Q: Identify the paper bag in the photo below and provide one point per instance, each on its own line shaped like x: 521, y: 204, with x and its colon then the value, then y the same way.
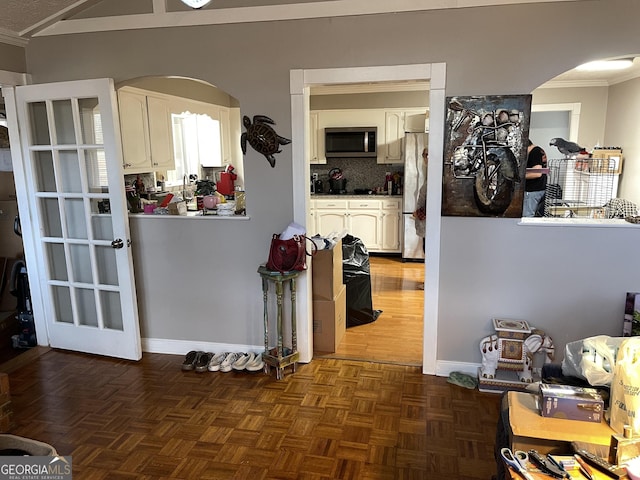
x: 625, y: 387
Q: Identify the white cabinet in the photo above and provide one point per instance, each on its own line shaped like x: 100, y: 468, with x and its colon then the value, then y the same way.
x: 160, y: 133
x: 375, y: 221
x: 390, y: 227
x: 397, y: 122
x: 314, y: 135
x: 225, y: 132
x: 145, y: 127
x: 330, y: 216
x: 393, y: 135
x: 364, y: 220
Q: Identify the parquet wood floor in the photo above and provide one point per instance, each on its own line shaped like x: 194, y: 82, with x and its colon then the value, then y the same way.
x: 396, y: 336
x: 332, y: 419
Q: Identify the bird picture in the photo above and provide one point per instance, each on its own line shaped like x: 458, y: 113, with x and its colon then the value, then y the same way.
x: 566, y: 147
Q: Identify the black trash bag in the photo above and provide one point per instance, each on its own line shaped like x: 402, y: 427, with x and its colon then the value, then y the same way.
x: 357, y: 278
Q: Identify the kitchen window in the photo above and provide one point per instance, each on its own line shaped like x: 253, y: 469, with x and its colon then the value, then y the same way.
x: 197, y: 141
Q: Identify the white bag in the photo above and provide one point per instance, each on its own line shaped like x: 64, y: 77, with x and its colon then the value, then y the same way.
x: 592, y: 359
x: 625, y: 388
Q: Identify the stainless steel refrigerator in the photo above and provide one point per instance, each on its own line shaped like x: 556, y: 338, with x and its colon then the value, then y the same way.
x: 414, y: 176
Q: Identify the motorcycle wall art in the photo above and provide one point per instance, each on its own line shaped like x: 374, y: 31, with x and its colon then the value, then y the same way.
x: 485, y: 155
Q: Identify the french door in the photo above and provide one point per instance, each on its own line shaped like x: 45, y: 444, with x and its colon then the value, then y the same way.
x: 78, y: 254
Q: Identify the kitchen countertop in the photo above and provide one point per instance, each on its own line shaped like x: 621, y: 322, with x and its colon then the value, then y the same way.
x: 196, y: 215
x: 352, y: 195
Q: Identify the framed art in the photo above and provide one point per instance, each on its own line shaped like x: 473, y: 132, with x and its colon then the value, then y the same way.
x: 485, y: 155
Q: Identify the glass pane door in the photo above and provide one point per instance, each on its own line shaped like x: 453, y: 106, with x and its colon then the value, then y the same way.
x: 74, y: 168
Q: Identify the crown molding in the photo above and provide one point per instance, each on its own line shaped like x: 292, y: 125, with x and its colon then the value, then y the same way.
x: 264, y: 13
x: 11, y: 38
x: 574, y: 83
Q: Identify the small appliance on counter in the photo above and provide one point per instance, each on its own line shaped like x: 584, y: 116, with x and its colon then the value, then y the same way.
x: 316, y: 184
x: 225, y: 184
x: 337, y: 182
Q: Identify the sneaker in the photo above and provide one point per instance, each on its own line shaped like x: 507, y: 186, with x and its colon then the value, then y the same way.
x: 190, y: 358
x: 228, y: 361
x: 243, y: 360
x: 216, y: 360
x: 256, y: 365
x: 203, y: 361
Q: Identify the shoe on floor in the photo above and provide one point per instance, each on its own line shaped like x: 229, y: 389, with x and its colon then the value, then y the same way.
x: 216, y: 360
x: 190, y: 358
x: 226, y: 365
x: 242, y: 361
x: 256, y: 365
x: 203, y: 361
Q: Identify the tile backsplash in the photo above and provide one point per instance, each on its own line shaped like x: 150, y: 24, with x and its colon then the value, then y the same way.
x: 361, y: 173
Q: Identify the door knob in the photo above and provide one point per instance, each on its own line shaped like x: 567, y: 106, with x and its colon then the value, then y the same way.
x: 117, y: 243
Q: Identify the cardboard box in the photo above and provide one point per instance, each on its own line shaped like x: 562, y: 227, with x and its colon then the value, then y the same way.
x: 605, y: 160
x: 571, y: 403
x: 327, y: 273
x: 11, y: 244
x: 178, y: 208
x: 529, y: 430
x: 7, y: 186
x: 329, y: 322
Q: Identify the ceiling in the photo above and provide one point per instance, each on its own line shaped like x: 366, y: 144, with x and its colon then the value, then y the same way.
x: 20, y: 20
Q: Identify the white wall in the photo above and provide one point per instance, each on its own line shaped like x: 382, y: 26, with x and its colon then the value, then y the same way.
x: 570, y: 281
x: 623, y: 130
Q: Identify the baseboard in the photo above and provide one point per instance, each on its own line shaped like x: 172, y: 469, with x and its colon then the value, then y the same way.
x: 444, y: 368
x: 181, y: 347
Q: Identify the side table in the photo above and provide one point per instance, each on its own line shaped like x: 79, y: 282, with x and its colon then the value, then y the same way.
x: 279, y: 356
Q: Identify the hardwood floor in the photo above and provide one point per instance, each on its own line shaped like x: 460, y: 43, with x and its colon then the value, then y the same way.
x: 332, y: 419
x: 396, y: 336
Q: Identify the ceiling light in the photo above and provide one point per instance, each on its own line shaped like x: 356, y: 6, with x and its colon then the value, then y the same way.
x: 196, y: 3
x: 602, y: 65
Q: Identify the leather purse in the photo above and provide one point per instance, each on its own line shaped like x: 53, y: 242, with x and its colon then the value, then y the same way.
x: 288, y: 255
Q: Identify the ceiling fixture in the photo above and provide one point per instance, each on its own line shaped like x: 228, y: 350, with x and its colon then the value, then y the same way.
x: 195, y: 3
x: 603, y: 65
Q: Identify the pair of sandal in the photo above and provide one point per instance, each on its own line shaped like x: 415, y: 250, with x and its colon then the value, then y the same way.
x: 196, y: 360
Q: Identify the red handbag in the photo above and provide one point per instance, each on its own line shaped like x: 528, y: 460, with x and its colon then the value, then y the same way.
x: 288, y: 255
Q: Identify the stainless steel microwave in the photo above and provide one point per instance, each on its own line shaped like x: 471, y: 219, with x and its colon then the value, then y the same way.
x: 350, y: 142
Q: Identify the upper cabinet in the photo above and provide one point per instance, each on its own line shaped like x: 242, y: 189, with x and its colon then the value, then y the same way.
x: 390, y: 123
x: 314, y: 135
x: 162, y: 132
x: 145, y: 127
x: 397, y: 122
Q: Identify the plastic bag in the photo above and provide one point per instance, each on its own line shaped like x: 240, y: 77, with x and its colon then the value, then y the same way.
x: 592, y: 359
x: 625, y: 388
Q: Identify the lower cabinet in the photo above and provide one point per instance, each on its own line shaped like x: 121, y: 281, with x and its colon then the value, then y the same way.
x: 390, y: 228
x: 374, y: 221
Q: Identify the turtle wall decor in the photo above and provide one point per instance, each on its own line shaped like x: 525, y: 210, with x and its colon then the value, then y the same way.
x: 262, y: 137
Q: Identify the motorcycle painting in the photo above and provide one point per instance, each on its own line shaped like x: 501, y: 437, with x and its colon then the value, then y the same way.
x: 485, y: 155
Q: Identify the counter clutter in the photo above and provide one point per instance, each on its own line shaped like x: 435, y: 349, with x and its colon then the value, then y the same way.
x: 170, y: 204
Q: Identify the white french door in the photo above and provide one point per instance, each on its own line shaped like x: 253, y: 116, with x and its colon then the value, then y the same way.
x: 78, y: 254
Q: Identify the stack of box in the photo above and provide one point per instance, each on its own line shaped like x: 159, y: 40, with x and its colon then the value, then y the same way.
x: 6, y: 413
x: 11, y: 245
x: 329, y: 299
